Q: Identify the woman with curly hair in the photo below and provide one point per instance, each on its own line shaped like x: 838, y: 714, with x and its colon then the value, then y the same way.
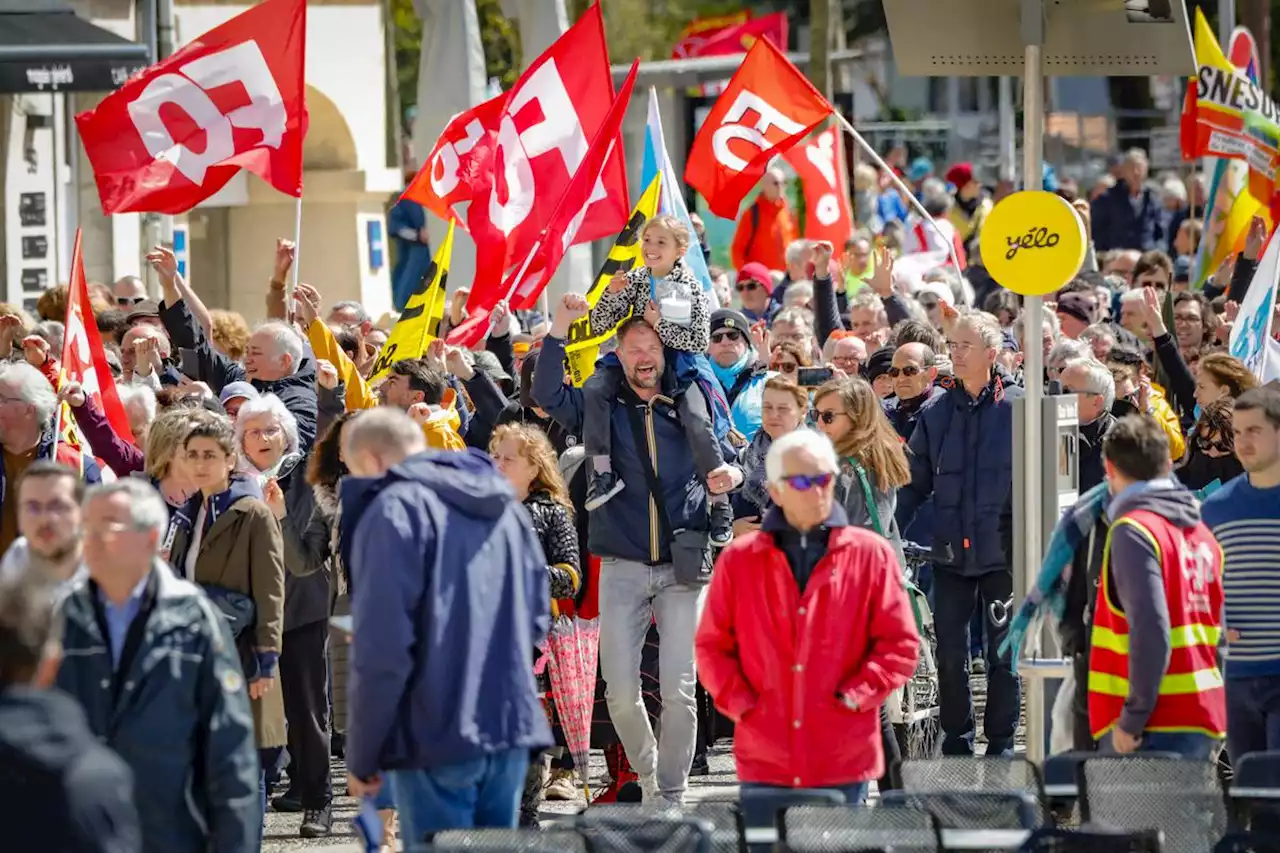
x: 524, y: 455
x: 1211, y: 446
x: 230, y: 332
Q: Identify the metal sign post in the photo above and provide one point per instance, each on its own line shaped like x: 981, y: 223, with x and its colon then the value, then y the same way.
x: 1029, y: 38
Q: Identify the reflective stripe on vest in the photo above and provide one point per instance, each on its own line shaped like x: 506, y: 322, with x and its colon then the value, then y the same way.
x: 1191, y: 696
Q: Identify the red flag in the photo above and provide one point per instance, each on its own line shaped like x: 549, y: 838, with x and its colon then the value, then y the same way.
x: 701, y: 30
x: 460, y: 166
x: 550, y: 115
x: 232, y: 99
x: 818, y: 163
x: 565, y: 223
x: 83, y: 359
x: 739, y: 38
x: 767, y: 107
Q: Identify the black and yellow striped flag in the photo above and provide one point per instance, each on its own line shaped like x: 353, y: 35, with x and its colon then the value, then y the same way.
x: 419, y: 323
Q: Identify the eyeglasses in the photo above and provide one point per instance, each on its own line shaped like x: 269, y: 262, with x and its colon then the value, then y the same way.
x: 746, y: 285
x: 129, y: 301
x: 959, y: 346
x: 805, y: 482
x: 908, y: 371
x: 826, y: 416
x: 1218, y: 444
x: 719, y: 337
x: 266, y: 433
x: 786, y: 367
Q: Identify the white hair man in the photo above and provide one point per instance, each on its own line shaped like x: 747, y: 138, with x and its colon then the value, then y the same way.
x: 1095, y: 389
x: 774, y: 659
x: 184, y: 726
x: 425, y: 528
x: 276, y: 359
x: 27, y: 406
x: 969, y: 429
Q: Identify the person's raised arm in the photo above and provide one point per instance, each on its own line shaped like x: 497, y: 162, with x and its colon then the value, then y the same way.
x: 1182, y: 383
x: 276, y: 288
x: 122, y: 457
x: 216, y: 369
x: 561, y: 401
x: 826, y: 310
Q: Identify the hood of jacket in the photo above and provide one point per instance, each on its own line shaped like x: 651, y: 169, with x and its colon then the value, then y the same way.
x: 45, y: 723
x: 241, y: 487
x: 304, y: 379
x: 466, y: 480
x: 1165, y: 497
x: 442, y: 426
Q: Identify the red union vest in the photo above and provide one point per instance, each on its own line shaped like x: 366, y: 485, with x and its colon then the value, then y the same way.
x: 1192, y: 697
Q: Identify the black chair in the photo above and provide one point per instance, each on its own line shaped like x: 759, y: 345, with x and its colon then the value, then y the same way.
x: 1001, y: 810
x: 1058, y: 840
x: 726, y: 819
x: 1061, y: 785
x: 1248, y: 842
x: 1255, y: 792
x: 971, y: 773
x: 508, y: 841
x: 760, y: 808
x: 851, y: 828
x: 631, y: 829
x: 1135, y: 792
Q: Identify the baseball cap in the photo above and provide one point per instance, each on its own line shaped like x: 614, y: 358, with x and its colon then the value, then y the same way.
x: 960, y: 174
x: 233, y: 390
x: 921, y: 168
x: 759, y: 273
x: 1076, y: 305
x: 879, y: 363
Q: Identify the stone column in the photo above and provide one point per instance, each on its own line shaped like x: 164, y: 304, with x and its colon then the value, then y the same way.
x: 451, y: 78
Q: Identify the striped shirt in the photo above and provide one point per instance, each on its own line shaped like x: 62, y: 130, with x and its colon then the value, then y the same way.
x: 1246, y: 522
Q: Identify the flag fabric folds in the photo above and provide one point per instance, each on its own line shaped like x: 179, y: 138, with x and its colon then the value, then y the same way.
x: 419, y: 323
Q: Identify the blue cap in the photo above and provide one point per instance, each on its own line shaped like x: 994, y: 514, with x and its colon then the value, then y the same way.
x: 1008, y: 343
x: 232, y: 390
x: 921, y: 168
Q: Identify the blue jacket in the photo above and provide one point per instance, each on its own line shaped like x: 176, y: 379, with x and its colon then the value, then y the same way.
x: 449, y: 600
x: 177, y: 712
x: 628, y: 527
x: 413, y: 257
x: 962, y: 455
x: 1116, y: 225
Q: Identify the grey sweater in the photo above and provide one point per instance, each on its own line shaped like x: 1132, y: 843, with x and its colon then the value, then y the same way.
x: 850, y: 496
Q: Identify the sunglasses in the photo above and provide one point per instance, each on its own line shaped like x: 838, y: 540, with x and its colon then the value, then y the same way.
x: 826, y: 416
x: 128, y: 301
x: 719, y: 337
x: 786, y: 367
x: 1217, y: 444
x: 805, y: 482
x: 745, y: 286
x: 908, y: 371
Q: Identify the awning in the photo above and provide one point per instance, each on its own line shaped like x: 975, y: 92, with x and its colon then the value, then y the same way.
x: 709, y: 69
x: 46, y: 47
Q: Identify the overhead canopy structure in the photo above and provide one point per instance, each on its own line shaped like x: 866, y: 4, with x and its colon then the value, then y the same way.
x: 46, y: 47
x: 709, y: 69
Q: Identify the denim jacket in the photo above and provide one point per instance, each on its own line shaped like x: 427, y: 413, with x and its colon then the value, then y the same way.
x: 176, y: 711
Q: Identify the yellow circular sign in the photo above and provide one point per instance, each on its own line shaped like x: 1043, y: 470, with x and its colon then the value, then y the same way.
x: 1033, y: 242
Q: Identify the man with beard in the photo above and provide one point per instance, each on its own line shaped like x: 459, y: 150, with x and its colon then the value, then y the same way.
x: 49, y: 496
x: 633, y: 534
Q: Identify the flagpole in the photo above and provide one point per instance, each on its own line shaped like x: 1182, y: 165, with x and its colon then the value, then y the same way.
x: 297, y: 257
x: 907, y: 194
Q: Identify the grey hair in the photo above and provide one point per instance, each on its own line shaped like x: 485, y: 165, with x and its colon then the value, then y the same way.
x: 1069, y: 350
x: 796, y: 248
x: 1047, y: 316
x: 1135, y: 155
x: 795, y: 316
x: 287, y: 342
x: 867, y: 299
x: 361, y: 314
x: 54, y: 333
x: 147, y: 510
x: 798, y: 292
x: 33, y: 388
x: 383, y: 429
x: 267, y: 404
x: 986, y: 326
x: 805, y: 439
x: 1100, y: 380
x: 142, y: 395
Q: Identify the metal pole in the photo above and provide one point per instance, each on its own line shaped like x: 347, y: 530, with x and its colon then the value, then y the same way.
x: 1227, y: 23
x: 1008, y: 141
x: 1033, y: 382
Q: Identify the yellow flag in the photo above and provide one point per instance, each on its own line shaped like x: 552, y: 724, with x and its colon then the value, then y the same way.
x: 419, y: 323
x: 582, y: 346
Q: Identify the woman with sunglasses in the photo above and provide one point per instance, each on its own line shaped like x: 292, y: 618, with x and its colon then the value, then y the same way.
x: 1211, y: 447
x: 787, y: 358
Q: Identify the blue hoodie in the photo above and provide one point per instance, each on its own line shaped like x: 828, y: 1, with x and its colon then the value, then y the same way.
x: 449, y: 599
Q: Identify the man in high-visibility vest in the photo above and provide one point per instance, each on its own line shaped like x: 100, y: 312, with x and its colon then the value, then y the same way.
x: 1154, y: 683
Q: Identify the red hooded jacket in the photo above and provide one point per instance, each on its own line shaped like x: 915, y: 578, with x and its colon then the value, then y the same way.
x: 779, y: 662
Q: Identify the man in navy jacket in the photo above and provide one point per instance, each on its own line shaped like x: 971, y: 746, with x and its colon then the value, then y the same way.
x: 1127, y: 216
x: 962, y: 455
x: 449, y: 598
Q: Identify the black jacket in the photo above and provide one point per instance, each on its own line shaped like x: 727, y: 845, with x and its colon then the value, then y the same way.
x: 307, y: 558
x: 60, y: 790
x: 1091, y: 436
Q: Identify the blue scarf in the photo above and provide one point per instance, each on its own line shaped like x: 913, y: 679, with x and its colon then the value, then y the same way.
x: 729, y: 375
x: 1050, y: 592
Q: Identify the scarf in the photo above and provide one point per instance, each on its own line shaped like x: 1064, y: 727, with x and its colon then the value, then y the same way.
x: 727, y: 376
x: 752, y: 461
x: 1049, y: 593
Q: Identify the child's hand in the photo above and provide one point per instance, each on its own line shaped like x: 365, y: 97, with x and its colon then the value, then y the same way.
x: 617, y: 284
x: 652, y: 314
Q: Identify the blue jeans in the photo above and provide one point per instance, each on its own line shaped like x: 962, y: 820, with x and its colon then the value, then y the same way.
x: 1186, y: 744
x: 482, y: 792
x: 1253, y: 715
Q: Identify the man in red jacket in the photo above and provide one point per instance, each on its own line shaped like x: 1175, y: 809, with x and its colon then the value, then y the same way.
x: 806, y: 631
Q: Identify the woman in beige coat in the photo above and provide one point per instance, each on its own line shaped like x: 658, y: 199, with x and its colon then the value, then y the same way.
x: 227, y: 540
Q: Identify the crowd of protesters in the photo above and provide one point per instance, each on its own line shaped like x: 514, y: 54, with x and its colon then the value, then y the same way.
x: 730, y: 495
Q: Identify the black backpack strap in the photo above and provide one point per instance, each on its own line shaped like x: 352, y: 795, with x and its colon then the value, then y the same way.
x: 651, y: 478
